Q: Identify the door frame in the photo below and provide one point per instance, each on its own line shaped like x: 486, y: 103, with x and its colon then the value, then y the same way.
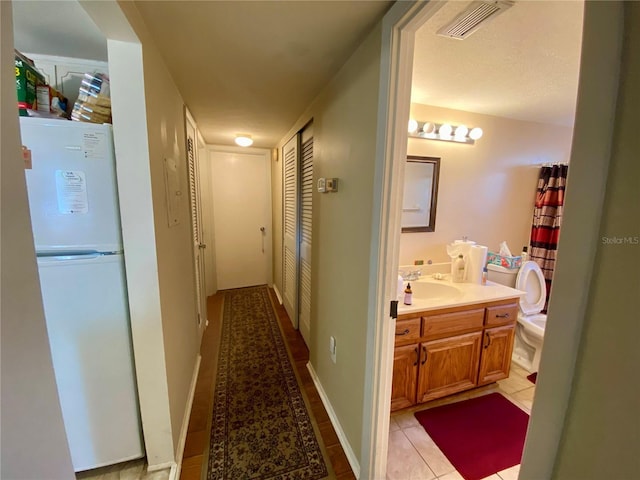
x: 593, y: 130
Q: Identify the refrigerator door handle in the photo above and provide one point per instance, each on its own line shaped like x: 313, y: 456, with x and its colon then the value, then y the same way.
x: 78, y: 256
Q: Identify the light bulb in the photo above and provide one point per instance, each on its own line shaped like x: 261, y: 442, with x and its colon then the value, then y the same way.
x: 244, y: 140
x: 413, y: 126
x: 461, y: 131
x: 475, y: 133
x: 445, y: 130
x: 429, y: 127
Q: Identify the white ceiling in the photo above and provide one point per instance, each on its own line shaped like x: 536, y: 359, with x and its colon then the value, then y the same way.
x: 56, y: 28
x: 253, y: 66
x: 523, y: 64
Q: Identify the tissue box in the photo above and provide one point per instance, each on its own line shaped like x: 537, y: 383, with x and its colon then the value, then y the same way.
x: 503, y: 260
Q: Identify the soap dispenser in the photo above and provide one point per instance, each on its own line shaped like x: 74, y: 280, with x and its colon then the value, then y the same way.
x: 458, y: 269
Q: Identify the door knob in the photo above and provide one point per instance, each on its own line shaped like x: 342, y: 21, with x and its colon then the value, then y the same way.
x: 262, y: 229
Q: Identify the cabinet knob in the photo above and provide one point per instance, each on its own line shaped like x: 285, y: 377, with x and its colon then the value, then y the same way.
x: 416, y: 362
x: 406, y: 332
x: 504, y: 315
x: 424, y: 349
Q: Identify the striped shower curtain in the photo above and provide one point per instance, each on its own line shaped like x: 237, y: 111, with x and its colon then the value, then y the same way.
x: 547, y: 218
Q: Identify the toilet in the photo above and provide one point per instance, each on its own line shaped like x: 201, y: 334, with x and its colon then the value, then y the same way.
x: 531, y: 323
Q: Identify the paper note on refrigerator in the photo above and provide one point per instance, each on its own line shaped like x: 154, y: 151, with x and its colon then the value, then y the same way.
x: 94, y: 145
x: 71, y: 188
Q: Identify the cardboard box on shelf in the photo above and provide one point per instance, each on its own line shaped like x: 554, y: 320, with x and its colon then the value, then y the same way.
x: 51, y: 101
x: 27, y: 80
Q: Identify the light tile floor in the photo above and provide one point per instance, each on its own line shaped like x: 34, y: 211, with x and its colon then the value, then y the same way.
x: 131, y: 470
x: 414, y: 456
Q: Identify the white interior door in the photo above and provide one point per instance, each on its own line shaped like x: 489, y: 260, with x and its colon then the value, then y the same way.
x: 305, y: 226
x: 290, y: 227
x: 196, y: 220
x: 242, y: 216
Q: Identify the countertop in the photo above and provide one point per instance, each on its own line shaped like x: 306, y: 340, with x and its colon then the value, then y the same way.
x: 464, y: 294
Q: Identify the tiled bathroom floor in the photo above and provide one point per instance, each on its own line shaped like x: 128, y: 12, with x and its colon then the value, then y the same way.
x: 414, y: 456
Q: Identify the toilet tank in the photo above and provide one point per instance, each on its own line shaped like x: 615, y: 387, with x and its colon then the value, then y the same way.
x: 502, y: 275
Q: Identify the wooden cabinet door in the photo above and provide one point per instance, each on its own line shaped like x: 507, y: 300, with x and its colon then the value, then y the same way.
x: 495, y: 361
x: 405, y: 373
x: 448, y: 366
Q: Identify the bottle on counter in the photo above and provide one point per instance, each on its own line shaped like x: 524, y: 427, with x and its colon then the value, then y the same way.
x: 458, y: 269
x: 408, y: 294
x: 525, y: 254
x: 485, y: 274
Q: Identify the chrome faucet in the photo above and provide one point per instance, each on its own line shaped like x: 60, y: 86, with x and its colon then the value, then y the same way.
x: 410, y: 275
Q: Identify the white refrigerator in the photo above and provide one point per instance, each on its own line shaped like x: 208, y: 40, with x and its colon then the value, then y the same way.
x: 76, y: 227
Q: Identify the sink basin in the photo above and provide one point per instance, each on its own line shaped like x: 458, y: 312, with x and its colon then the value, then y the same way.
x: 430, y: 290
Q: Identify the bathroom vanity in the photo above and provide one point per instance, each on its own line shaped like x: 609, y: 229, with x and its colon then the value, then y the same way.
x: 452, y: 341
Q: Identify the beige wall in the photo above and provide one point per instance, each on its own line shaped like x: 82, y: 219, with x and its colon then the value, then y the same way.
x: 486, y: 191
x: 601, y: 430
x: 149, y: 127
x: 166, y: 139
x: 344, y: 122
x: 34, y: 443
x: 580, y: 394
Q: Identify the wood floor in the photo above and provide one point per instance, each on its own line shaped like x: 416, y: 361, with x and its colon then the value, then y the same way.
x: 198, y: 431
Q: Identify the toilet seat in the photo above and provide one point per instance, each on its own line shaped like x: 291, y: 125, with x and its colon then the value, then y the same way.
x: 531, y: 280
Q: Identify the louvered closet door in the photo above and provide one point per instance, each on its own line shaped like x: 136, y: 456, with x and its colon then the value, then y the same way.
x: 306, y: 190
x: 194, y: 200
x: 290, y: 219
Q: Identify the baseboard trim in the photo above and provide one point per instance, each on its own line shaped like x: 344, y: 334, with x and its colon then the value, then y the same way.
x: 346, y: 446
x: 177, y: 466
x: 174, y: 473
x: 163, y: 466
x: 275, y: 289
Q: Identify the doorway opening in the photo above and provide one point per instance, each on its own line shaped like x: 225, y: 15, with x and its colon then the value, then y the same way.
x: 535, y: 459
x: 498, y: 174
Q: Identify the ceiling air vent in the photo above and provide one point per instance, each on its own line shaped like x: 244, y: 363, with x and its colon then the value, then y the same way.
x: 473, y: 18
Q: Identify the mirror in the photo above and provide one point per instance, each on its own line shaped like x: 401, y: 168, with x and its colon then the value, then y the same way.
x: 420, y: 194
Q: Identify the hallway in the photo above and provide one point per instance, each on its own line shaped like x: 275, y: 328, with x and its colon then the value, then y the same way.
x: 197, y: 441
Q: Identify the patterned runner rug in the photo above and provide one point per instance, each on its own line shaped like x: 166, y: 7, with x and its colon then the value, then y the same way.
x: 261, y: 428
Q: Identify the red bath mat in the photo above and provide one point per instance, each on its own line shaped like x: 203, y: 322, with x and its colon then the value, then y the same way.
x: 480, y: 436
x: 533, y: 377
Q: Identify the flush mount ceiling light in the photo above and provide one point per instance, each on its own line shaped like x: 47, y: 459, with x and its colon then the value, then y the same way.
x: 444, y: 131
x: 244, y: 140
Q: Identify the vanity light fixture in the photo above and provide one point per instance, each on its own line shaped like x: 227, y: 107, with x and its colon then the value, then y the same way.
x: 444, y: 131
x: 244, y: 140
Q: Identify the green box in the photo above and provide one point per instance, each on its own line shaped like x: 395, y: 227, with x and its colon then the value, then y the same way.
x: 27, y: 78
